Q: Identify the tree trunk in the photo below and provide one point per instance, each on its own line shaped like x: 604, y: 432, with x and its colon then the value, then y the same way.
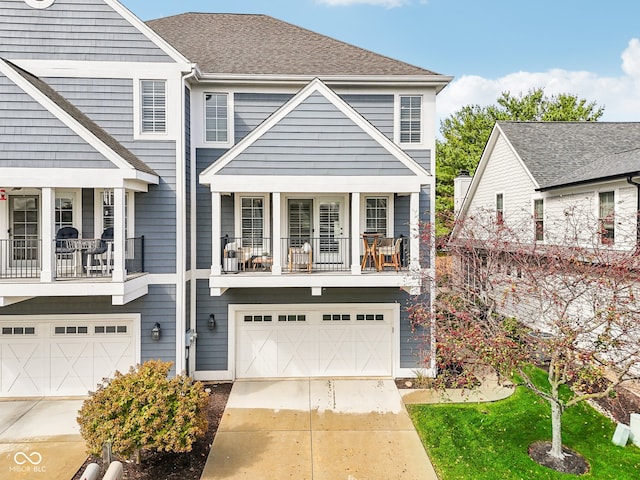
x: 556, y: 431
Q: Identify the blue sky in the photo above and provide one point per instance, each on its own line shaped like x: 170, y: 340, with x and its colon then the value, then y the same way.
x: 586, y: 47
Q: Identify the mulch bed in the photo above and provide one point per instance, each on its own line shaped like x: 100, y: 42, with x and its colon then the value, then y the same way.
x: 182, y: 466
x: 573, y: 462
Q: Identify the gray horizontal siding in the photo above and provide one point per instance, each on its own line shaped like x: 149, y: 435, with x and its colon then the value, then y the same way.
x: 251, y: 109
x: 315, y: 139
x: 159, y: 305
x: 376, y: 109
x: 86, y: 30
x: 204, y: 158
x: 109, y: 103
x: 424, y: 204
x: 32, y: 137
x: 212, y: 346
x: 422, y: 158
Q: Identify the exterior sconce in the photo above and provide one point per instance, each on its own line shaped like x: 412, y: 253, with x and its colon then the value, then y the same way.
x: 155, y: 332
x: 212, y: 322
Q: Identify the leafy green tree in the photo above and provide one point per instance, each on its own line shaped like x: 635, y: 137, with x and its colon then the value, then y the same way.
x: 466, y: 132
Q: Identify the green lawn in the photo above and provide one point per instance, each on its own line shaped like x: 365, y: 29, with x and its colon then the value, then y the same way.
x: 489, y: 441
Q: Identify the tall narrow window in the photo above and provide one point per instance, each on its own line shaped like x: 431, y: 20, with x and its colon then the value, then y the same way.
x: 376, y: 215
x: 216, y: 117
x: 153, y: 103
x: 499, y: 208
x: 607, y: 224
x: 410, y: 119
x: 252, y: 221
x: 538, y: 219
x: 64, y: 212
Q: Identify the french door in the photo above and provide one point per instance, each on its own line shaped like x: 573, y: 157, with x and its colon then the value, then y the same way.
x: 319, y: 221
x: 24, y: 217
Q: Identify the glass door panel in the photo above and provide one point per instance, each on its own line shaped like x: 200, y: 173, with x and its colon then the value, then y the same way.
x: 24, y: 230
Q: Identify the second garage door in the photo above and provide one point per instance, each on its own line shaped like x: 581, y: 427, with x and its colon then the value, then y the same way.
x: 340, y: 342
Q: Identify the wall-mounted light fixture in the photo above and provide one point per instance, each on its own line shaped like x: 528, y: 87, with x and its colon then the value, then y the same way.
x: 212, y: 322
x: 155, y: 332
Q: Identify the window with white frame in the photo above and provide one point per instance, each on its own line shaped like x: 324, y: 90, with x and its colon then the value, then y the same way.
x: 63, y: 211
x: 216, y: 117
x: 376, y: 215
x: 105, y: 211
x: 538, y: 219
x: 410, y: 119
x: 499, y: 208
x: 606, y: 217
x: 252, y: 221
x: 153, y: 105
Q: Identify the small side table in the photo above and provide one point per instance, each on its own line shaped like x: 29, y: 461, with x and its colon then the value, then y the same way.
x: 262, y: 262
x: 370, y: 244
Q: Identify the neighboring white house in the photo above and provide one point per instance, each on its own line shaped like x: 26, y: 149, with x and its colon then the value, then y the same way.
x: 550, y: 188
x: 544, y: 174
x: 197, y: 189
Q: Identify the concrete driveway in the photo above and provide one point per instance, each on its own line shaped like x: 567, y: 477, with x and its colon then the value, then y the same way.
x: 317, y: 429
x: 40, y: 438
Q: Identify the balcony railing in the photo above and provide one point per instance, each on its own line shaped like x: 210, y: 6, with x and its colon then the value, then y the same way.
x: 19, y: 258
x: 74, y: 258
x: 300, y: 254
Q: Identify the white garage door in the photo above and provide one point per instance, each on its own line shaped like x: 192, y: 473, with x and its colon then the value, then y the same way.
x: 313, y: 344
x: 58, y: 358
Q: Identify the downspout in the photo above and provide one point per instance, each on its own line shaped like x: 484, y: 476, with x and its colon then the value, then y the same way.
x: 630, y: 181
x: 189, y: 338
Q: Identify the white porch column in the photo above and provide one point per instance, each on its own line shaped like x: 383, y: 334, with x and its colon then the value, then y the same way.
x: 119, y: 272
x: 216, y: 234
x: 276, y: 234
x: 414, y: 232
x: 355, y: 234
x: 47, y: 235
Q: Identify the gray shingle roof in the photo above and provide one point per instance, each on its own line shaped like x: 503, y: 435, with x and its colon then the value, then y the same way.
x: 83, y: 120
x: 563, y: 153
x: 263, y: 45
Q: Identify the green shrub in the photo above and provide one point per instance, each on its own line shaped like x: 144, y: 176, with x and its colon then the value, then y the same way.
x: 144, y: 409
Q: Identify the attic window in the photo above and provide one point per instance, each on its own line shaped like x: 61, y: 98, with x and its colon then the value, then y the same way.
x: 153, y: 106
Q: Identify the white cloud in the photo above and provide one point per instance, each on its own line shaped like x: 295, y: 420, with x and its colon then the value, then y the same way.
x: 619, y: 95
x: 382, y: 3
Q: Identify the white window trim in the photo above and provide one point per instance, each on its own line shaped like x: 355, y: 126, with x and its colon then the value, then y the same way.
x: 396, y: 122
x: 533, y: 218
x: 98, y: 226
x: 230, y: 116
x: 237, y: 207
x: 390, y: 217
x: 495, y: 205
x: 616, y: 200
x: 76, y: 196
x: 137, y: 110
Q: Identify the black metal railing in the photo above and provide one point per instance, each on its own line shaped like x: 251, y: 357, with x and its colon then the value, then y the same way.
x: 19, y: 258
x: 94, y: 257
x: 308, y: 254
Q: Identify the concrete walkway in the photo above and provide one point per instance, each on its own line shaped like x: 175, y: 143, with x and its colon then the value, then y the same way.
x: 317, y: 429
x: 40, y: 438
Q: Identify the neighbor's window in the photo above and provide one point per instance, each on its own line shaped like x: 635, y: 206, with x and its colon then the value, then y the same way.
x: 499, y: 208
x: 153, y: 102
x: 538, y: 219
x: 252, y: 221
x: 216, y: 117
x: 410, y: 119
x: 607, y: 229
x: 376, y: 215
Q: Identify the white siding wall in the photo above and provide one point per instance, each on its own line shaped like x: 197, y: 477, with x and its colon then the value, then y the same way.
x: 505, y: 174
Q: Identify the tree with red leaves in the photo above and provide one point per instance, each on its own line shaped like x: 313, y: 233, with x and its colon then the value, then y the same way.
x: 570, y: 304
